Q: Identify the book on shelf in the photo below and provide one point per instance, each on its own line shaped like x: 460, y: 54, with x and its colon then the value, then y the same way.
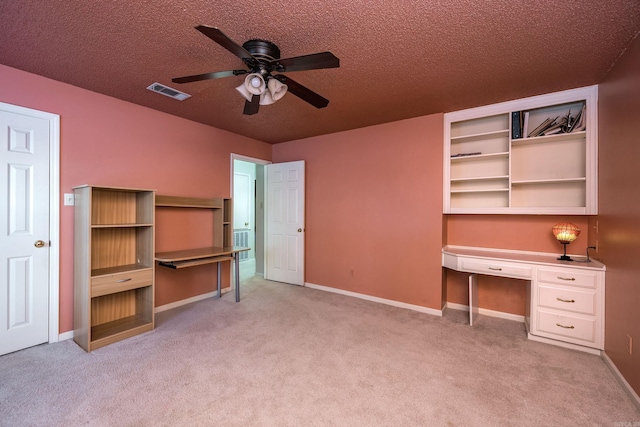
x: 548, y: 122
x: 580, y: 121
x: 516, y: 124
x: 560, y: 124
x: 477, y: 153
x: 525, y: 124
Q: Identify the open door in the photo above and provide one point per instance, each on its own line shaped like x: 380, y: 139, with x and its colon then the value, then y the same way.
x: 285, y: 223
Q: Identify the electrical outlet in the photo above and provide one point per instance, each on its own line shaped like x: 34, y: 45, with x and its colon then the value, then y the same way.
x: 69, y: 199
x: 629, y: 344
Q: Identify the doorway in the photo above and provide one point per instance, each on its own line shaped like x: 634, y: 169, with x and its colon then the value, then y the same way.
x: 248, y: 192
x: 278, y: 230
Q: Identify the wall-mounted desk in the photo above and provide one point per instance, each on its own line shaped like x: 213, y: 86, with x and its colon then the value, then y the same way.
x: 565, y: 300
x: 200, y: 256
x: 221, y: 250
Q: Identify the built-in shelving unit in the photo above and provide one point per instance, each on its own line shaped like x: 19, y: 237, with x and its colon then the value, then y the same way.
x: 495, y: 162
x: 113, y: 264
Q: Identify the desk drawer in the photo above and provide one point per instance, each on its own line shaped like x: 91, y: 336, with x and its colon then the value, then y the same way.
x: 579, y: 330
x: 496, y: 268
x: 568, y: 277
x: 564, y: 299
x: 118, y: 282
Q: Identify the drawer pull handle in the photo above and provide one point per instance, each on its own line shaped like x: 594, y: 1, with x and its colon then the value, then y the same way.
x: 565, y: 300
x: 567, y: 278
x: 123, y: 280
x: 495, y: 268
x: 566, y: 327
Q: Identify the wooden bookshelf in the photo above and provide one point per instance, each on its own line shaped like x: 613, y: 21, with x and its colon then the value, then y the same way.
x: 113, y: 268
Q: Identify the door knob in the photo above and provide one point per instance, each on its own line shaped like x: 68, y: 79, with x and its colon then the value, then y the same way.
x: 38, y: 243
x: 299, y: 230
x: 246, y: 224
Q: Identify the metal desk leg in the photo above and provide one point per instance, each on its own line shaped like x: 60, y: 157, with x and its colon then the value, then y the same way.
x: 219, y: 280
x: 237, y: 263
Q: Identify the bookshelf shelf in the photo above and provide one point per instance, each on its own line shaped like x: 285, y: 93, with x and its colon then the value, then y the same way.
x: 480, y: 191
x: 479, y: 156
x: 548, y: 181
x: 482, y: 178
x: 528, y: 156
x: 548, y: 138
x: 480, y: 136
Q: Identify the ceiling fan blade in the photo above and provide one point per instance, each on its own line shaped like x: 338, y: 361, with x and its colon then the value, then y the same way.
x: 208, y: 76
x: 302, y: 92
x: 252, y: 107
x: 313, y: 61
x: 223, y: 40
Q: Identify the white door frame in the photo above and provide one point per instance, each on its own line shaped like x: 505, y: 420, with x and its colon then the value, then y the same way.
x: 263, y: 219
x: 54, y: 211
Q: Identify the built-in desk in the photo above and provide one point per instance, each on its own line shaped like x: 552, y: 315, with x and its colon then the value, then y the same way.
x: 200, y: 256
x: 565, y: 299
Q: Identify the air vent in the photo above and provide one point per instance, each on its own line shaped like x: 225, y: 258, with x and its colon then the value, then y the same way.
x: 167, y: 91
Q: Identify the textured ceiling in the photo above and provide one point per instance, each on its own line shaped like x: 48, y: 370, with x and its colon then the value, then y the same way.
x: 398, y: 59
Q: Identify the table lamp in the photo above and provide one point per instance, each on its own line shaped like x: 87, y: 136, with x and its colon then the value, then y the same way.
x: 566, y: 233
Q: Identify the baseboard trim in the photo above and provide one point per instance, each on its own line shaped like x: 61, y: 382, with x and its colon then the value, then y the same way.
x: 385, y: 301
x: 635, y: 399
x: 571, y: 346
x: 186, y: 301
x: 65, y: 336
x: 487, y: 312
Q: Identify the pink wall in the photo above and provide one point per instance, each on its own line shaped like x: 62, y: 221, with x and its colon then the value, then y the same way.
x: 619, y: 209
x: 374, y: 209
x: 105, y: 141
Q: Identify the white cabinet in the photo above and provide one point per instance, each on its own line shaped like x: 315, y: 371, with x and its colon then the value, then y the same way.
x: 567, y: 304
x: 565, y: 300
x: 495, y: 163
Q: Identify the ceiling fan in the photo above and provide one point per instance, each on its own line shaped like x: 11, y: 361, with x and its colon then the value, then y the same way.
x: 262, y: 59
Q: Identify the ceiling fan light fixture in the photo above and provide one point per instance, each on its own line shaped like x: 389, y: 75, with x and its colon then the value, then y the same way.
x: 255, y: 84
x: 262, y: 58
x: 244, y: 92
x: 277, y: 89
x: 266, y: 98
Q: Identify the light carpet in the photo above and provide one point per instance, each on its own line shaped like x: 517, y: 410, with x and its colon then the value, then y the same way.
x: 294, y: 356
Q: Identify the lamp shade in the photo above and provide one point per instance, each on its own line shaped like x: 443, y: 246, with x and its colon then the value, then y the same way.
x: 566, y: 232
x: 253, y: 84
x: 275, y: 90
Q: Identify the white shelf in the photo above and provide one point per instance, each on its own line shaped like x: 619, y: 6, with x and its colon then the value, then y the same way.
x: 547, y: 181
x: 491, y: 190
x: 477, y: 136
x: 480, y: 178
x: 548, y: 138
x: 480, y: 156
x: 548, y: 174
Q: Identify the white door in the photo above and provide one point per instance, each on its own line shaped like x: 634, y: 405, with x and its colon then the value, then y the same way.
x: 242, y: 195
x: 285, y: 223
x: 24, y: 240
x: 243, y: 215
